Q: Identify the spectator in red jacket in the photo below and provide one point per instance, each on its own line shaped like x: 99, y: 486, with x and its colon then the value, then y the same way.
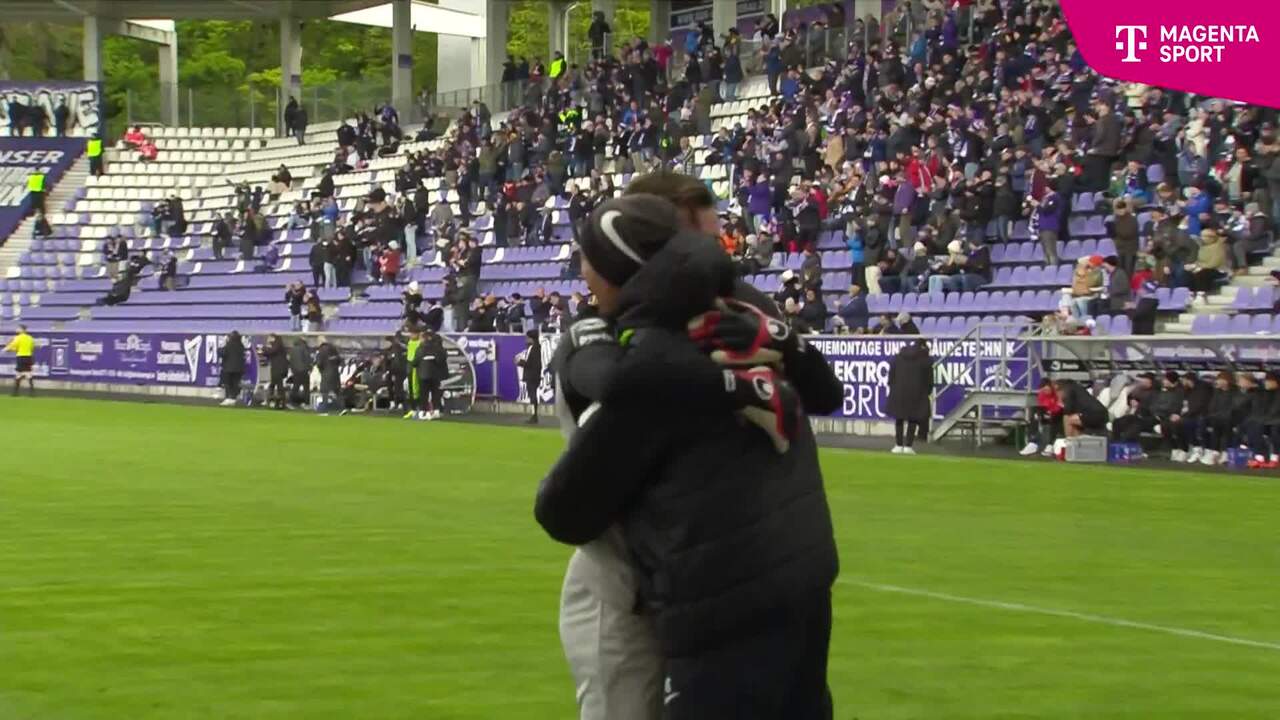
x: 389, y: 263
x: 1046, y: 420
x: 134, y: 137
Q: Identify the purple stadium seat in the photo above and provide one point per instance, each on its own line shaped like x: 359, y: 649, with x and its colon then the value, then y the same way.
x: 1095, y: 226
x: 1102, y: 325
x: 1121, y: 325
x: 1083, y: 203
x: 1275, y: 325
x: 895, y: 303
x: 910, y: 302
x: 1220, y: 325
x: 1026, y: 301
x: 981, y: 301
x: 1243, y: 300
x: 1239, y: 325
x: 998, y: 253
x: 1106, y: 246
x: 878, y: 304
x: 1003, y: 276
x: 1260, y: 324
x: 1201, y: 325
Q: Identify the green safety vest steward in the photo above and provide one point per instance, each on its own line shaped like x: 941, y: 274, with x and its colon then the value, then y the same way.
x: 35, y: 182
x: 410, y: 350
x: 95, y: 147
x: 557, y: 67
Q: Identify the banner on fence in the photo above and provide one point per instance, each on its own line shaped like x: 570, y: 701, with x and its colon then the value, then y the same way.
x: 42, y: 108
x: 130, y: 359
x: 861, y: 363
x: 19, y: 157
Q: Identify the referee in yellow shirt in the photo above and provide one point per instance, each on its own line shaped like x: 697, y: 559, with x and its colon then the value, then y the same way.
x: 24, y: 346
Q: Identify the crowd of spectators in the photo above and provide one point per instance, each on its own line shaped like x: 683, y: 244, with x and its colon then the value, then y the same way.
x: 922, y: 149
x: 918, y: 151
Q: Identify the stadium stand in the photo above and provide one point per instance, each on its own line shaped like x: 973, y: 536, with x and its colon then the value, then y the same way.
x: 915, y: 174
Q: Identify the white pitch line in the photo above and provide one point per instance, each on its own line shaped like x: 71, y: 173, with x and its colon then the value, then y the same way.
x: 1085, y: 617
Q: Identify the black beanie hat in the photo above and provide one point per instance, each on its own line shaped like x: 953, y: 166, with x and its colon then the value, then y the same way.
x: 625, y: 232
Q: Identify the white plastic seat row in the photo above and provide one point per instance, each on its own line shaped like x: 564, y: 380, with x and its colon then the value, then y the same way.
x: 196, y: 132
x: 146, y: 193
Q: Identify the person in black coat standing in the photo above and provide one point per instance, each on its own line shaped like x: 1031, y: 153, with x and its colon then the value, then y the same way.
x: 300, y: 364
x: 531, y: 372
x: 910, y: 385
x: 330, y: 364
x: 232, y: 357
x: 278, y: 362
x: 432, y: 363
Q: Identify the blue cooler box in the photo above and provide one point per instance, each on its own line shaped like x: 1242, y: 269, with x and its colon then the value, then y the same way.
x: 1238, y: 458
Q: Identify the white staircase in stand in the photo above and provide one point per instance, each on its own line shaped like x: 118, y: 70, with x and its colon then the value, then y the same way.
x: 54, y: 201
x: 1222, y: 301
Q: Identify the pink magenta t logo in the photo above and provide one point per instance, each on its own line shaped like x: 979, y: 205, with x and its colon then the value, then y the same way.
x: 1129, y: 40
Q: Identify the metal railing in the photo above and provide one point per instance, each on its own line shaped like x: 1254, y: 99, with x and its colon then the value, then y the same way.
x: 255, y: 105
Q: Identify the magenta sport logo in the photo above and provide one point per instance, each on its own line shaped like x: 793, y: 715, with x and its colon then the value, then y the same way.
x: 1184, y: 43
x: 1222, y: 49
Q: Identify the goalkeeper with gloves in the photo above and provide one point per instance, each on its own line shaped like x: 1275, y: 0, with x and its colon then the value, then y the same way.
x: 703, y: 585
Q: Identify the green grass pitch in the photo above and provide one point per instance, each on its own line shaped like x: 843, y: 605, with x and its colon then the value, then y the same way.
x: 165, y: 562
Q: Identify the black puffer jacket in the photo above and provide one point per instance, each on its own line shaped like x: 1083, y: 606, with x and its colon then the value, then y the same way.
x: 723, y: 530
x: 1076, y: 400
x: 1266, y: 407
x: 1168, y: 401
x: 233, y: 354
x: 1222, y: 406
x: 300, y: 359
x: 911, y: 383
x: 1198, y: 398
x: 278, y: 360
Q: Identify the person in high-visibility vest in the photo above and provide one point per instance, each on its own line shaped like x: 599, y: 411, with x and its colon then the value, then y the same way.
x: 35, y: 190
x: 24, y: 346
x: 557, y: 66
x: 94, y: 150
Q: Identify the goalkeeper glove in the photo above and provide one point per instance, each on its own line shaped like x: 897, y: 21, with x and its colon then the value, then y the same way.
x: 738, y: 334
x: 766, y: 400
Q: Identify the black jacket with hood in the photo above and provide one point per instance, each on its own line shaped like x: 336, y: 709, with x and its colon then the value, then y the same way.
x: 277, y: 359
x: 723, y: 530
x: 233, y: 354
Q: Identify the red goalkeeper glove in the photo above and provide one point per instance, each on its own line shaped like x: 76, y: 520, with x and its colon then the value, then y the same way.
x: 766, y: 400
x: 738, y: 334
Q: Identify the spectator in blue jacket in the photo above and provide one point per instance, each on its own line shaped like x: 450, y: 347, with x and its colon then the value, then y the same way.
x: 1196, y: 204
x: 790, y: 85
x: 857, y: 254
x: 773, y: 67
